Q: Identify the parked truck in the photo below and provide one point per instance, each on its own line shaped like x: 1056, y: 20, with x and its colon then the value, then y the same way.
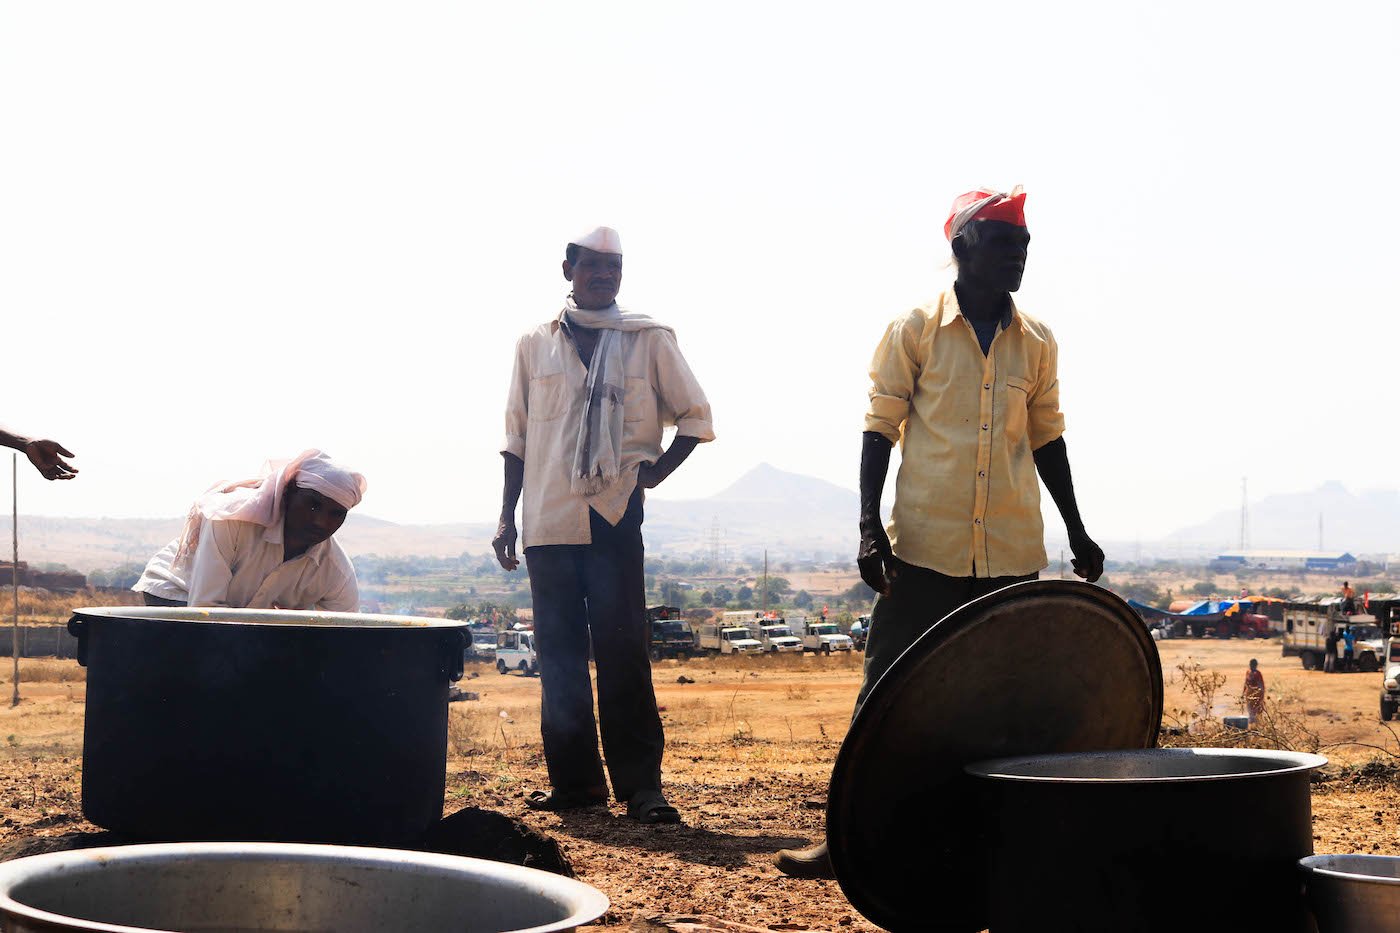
x: 515, y: 651
x: 718, y: 638
x: 776, y: 637
x: 1390, y: 685
x: 671, y: 636
x: 826, y: 637
x: 1306, y: 628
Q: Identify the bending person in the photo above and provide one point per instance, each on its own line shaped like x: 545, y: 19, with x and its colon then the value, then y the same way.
x: 46, y: 455
x: 263, y: 543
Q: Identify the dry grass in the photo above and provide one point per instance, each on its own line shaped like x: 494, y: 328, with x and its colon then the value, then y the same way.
x: 807, y: 661
x: 40, y: 607
x: 44, y: 671
x: 1282, y: 725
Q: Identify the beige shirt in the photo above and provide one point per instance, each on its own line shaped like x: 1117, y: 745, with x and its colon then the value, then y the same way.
x: 544, y: 406
x: 240, y: 565
x: 967, y: 498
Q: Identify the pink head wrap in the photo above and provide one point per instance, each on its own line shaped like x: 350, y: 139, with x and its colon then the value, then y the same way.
x: 260, y: 500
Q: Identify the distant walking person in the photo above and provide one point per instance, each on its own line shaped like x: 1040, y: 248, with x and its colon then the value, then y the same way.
x: 1329, y: 657
x: 47, y: 456
x: 968, y: 386
x: 1348, y: 599
x: 1254, y: 691
x: 593, y: 390
x: 1349, y: 652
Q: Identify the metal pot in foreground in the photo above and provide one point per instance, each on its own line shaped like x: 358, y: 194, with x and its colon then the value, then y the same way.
x: 248, y: 724
x: 1353, y: 893
x: 1038, y: 667
x: 1181, y: 839
x: 218, y: 887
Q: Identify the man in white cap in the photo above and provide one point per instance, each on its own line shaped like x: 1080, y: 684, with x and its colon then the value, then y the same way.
x: 592, y: 391
x: 264, y: 543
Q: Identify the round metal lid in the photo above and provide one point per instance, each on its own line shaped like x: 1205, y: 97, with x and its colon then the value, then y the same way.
x: 1035, y: 668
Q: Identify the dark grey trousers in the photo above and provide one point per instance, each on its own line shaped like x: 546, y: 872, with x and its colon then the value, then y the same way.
x: 918, y: 598
x: 596, y: 588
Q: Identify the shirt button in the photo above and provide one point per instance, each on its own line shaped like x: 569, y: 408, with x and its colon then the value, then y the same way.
x: 977, y: 521
x: 986, y: 385
x: 981, y: 472
x: 984, y: 427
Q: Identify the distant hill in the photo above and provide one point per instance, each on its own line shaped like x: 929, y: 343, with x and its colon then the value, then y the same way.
x: 1362, y: 523
x: 791, y: 515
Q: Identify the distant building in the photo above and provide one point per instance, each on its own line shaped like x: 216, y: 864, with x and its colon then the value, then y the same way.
x: 62, y: 582
x: 1286, y: 561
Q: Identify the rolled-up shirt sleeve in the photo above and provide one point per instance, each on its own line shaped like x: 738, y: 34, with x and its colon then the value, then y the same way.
x: 211, y: 568
x: 1044, y: 420
x: 680, y: 391
x: 517, y: 404
x: 893, y: 372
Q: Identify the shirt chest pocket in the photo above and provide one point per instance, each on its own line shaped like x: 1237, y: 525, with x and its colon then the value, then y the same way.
x: 548, y: 397
x: 640, y: 402
x: 1018, y: 402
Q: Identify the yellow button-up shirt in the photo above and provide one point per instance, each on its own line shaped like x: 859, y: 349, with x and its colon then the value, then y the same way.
x: 545, y: 405
x: 967, y: 498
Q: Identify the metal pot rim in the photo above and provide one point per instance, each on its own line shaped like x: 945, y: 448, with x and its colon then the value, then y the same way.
x: 266, y: 617
x: 1319, y: 865
x: 588, y: 902
x: 1002, y: 769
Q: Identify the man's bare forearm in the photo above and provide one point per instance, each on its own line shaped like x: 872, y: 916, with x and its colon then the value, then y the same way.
x: 1052, y: 463
x: 14, y: 441
x: 514, y: 482
x: 874, y: 467
x: 673, y: 456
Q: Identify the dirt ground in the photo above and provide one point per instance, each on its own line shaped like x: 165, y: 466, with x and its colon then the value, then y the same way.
x: 749, y: 749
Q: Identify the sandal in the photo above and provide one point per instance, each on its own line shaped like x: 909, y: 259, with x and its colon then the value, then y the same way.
x: 564, y: 800
x: 650, y: 806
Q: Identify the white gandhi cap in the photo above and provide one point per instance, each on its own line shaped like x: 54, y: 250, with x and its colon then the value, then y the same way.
x: 600, y: 240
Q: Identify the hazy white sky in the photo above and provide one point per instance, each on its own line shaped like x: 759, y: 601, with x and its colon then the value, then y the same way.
x: 231, y: 231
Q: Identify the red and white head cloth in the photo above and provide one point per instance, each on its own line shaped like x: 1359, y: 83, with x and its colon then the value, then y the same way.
x: 986, y: 204
x: 260, y: 500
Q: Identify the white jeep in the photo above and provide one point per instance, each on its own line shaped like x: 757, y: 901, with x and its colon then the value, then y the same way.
x: 826, y: 637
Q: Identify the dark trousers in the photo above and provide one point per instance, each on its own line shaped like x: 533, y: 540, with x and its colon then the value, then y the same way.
x: 153, y: 600
x: 918, y: 598
x: 597, y: 588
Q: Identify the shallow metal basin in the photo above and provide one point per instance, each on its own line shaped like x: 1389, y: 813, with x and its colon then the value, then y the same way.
x: 1353, y: 893
x: 230, y: 887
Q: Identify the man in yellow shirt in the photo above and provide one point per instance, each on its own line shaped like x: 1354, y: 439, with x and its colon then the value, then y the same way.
x: 968, y: 385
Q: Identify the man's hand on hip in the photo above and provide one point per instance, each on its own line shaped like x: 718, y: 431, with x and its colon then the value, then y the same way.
x: 1088, y: 556
x: 875, y: 558
x: 504, y: 544
x: 649, y: 477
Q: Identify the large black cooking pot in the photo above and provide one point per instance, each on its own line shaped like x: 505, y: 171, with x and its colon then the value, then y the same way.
x: 206, y: 724
x: 1149, y: 841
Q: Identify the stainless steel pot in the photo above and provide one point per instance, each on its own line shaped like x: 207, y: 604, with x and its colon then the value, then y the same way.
x: 1183, y: 839
x: 279, y: 726
x: 1353, y: 893
x: 243, y: 887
